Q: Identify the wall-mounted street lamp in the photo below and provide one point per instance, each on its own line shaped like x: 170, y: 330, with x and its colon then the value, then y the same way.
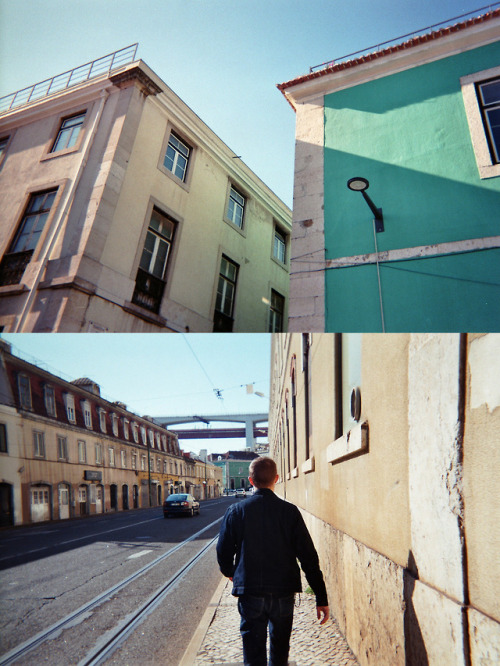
x: 361, y: 185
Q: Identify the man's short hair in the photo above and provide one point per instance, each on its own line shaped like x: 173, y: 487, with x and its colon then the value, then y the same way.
x: 263, y: 472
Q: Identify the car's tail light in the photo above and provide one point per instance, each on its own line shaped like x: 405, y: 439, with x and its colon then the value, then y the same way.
x: 185, y: 504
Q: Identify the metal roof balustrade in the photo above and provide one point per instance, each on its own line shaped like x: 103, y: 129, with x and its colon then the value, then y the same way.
x: 90, y: 70
x: 397, y: 40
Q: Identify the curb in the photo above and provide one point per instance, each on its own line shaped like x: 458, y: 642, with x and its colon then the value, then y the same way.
x: 189, y: 657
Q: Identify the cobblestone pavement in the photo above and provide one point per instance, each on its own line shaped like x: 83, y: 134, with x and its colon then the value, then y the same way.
x: 311, y: 644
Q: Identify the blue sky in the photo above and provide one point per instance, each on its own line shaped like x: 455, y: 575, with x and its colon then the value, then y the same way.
x: 161, y: 374
x: 222, y: 57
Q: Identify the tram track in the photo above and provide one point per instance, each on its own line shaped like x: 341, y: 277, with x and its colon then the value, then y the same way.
x: 109, y: 643
x: 112, y: 639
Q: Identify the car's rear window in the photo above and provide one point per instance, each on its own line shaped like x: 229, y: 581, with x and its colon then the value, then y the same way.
x: 177, y: 498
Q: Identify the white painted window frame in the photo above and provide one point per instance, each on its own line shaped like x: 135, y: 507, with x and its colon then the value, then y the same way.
x: 486, y: 167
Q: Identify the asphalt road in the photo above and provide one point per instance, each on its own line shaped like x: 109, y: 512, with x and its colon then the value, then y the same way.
x: 48, y: 571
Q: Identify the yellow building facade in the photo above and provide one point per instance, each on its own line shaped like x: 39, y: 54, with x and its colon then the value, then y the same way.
x: 67, y: 452
x: 388, y: 444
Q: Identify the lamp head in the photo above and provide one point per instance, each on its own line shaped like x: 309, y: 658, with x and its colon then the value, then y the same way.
x: 358, y: 184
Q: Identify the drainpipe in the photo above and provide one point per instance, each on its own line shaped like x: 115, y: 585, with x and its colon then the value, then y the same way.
x: 460, y: 436
x: 57, y: 226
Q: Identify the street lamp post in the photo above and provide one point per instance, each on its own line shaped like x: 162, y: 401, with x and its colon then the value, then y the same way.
x: 359, y: 184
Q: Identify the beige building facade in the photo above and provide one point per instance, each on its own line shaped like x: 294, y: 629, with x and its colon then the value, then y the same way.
x: 66, y: 452
x: 122, y: 211
x: 389, y: 445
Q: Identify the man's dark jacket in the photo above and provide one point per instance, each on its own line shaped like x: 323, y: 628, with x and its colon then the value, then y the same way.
x: 260, y: 540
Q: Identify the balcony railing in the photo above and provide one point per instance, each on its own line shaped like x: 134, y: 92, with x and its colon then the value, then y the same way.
x: 12, y: 267
x: 148, y: 291
x: 101, y: 66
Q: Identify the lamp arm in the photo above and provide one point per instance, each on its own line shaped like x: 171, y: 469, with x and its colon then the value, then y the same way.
x: 376, y: 211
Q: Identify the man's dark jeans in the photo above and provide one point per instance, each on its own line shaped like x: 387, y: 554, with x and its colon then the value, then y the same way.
x: 256, y: 614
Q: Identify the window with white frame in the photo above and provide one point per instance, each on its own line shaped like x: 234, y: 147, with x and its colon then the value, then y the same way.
x: 69, y: 403
x: 126, y: 431
x: 489, y: 101
x: 111, y: 452
x: 152, y: 271
x: 124, y: 458
x: 279, y: 245
x: 114, y: 424
x: 38, y: 444
x: 24, y: 386
x: 98, y: 453
x: 143, y: 463
x: 158, y: 441
x: 102, y: 419
x: 49, y: 398
x: 351, y: 379
x: 82, y: 451
x: 135, y: 432
x: 134, y: 460
x: 165, y: 467
x: 351, y: 432
x: 87, y: 414
x: 151, y: 436
x: 68, y: 133
x: 236, y: 207
x: 177, y: 157
x: 144, y: 436
x: 481, y: 96
x: 62, y: 448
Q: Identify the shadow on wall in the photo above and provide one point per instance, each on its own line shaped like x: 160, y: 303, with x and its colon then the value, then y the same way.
x: 415, y: 652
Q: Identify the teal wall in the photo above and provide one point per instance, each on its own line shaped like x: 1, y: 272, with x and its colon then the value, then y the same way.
x: 236, y: 470
x: 408, y: 134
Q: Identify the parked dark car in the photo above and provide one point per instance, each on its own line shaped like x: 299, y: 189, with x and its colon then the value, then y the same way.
x: 180, y: 504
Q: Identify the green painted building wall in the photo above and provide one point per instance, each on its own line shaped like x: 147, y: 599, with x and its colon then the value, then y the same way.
x: 234, y: 473
x: 407, y: 133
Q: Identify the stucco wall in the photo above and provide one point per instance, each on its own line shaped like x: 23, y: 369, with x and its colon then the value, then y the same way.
x: 408, y: 134
x: 407, y: 528
x: 481, y: 490
x: 83, y: 272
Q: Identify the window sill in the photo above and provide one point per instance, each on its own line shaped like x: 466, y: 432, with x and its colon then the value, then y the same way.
x: 282, y: 265
x: 184, y: 184
x: 240, y: 230
x: 354, y: 443
x: 62, y: 152
x: 147, y: 315
x: 13, y: 289
x: 295, y: 473
x: 308, y: 466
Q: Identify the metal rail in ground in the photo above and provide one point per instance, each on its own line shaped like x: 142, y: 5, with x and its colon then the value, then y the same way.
x: 32, y: 643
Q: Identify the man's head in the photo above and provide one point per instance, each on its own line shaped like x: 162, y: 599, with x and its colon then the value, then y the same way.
x: 263, y: 472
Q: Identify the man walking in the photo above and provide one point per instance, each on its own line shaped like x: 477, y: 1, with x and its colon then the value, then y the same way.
x: 259, y: 543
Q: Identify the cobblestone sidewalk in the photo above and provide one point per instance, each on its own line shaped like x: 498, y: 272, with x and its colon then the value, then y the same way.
x: 311, y: 644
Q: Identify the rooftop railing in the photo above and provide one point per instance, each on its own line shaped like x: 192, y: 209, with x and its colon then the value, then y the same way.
x: 101, y: 66
x: 396, y: 40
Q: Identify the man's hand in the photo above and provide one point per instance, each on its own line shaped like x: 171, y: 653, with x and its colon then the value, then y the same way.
x: 323, y: 611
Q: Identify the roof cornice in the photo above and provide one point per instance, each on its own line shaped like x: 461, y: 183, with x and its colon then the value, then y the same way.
x: 417, y: 51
